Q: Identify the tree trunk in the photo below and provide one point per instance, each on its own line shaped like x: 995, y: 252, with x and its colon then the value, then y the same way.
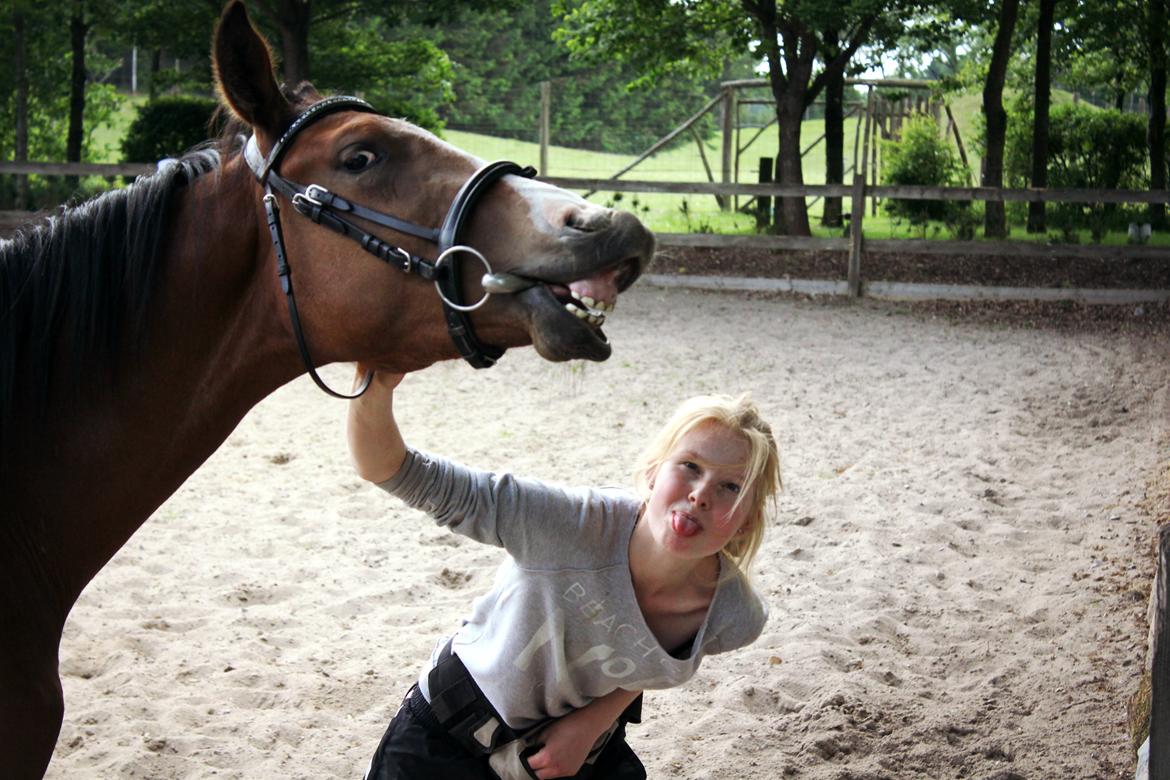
x: 1036, y: 217
x: 20, y: 153
x: 791, y: 212
x: 834, y: 144
x: 995, y: 221
x: 155, y: 68
x: 292, y: 18
x: 73, y: 136
x: 1156, y: 129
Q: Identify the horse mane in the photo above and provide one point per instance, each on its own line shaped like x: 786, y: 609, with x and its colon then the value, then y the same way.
x: 75, y: 290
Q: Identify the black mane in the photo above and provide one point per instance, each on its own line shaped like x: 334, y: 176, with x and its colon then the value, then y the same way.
x: 75, y: 290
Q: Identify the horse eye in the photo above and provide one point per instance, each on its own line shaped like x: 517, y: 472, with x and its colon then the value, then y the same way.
x: 359, y: 161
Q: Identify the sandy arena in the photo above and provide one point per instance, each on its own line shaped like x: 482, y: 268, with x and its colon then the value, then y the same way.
x: 958, y: 573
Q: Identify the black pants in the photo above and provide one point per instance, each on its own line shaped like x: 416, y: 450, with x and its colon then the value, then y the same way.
x: 415, y: 747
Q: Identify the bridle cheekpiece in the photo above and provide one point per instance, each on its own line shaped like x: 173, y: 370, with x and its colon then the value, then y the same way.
x: 335, y: 212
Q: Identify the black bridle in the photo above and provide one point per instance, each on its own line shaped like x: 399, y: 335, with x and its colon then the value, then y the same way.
x: 334, y: 212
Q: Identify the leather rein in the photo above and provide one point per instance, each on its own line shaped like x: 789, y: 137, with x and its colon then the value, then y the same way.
x: 335, y: 212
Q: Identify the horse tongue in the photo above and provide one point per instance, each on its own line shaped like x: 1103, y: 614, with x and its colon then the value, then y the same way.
x: 602, y: 287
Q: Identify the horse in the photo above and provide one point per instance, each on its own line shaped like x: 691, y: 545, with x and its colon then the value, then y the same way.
x: 137, y: 329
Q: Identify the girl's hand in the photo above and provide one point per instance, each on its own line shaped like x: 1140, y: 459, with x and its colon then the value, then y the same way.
x: 374, y: 439
x: 567, y: 743
x: 382, y: 380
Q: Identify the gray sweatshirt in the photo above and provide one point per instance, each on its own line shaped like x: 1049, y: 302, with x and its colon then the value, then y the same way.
x: 561, y: 625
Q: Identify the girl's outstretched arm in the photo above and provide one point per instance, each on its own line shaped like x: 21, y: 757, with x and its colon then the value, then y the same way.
x: 375, y: 443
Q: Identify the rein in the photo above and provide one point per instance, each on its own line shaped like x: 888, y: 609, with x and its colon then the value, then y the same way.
x: 333, y: 211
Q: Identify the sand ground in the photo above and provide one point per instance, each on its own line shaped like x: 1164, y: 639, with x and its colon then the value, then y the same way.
x: 958, y: 572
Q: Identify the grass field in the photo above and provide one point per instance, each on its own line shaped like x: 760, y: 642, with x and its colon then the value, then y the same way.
x: 683, y: 162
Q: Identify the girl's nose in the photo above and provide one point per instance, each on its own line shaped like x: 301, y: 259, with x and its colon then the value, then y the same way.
x: 698, y: 495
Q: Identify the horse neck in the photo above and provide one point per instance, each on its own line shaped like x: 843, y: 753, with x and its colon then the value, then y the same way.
x: 215, y: 348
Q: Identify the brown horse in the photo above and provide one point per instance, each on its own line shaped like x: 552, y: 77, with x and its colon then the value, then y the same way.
x: 136, y: 330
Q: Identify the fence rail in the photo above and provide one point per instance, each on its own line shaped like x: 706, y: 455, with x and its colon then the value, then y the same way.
x: 77, y: 169
x: 858, y: 192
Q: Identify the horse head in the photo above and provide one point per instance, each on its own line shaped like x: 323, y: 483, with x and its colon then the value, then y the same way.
x: 553, y: 263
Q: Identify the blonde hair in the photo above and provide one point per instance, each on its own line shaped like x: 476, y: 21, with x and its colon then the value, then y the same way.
x: 761, y: 478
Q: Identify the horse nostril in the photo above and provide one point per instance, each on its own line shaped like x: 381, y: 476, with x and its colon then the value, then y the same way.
x: 588, y: 218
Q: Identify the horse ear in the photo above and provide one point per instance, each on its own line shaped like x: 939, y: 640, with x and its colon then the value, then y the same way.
x: 242, y: 62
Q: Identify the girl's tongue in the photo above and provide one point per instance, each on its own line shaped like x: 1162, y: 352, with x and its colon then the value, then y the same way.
x: 683, y: 525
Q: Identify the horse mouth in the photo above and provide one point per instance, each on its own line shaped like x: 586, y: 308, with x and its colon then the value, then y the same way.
x: 566, y: 318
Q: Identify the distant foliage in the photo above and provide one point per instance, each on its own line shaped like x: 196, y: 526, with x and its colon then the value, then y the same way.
x: 167, y: 127
x: 1088, y: 148
x: 921, y: 156
x: 501, y: 57
x: 395, y: 65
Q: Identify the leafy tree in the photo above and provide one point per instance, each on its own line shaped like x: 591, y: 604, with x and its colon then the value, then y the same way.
x: 181, y: 29
x: 1156, y: 132
x: 1042, y: 102
x: 604, y: 106
x: 1099, y: 55
x: 399, y: 69
x: 994, y: 115
x: 35, y: 97
x: 293, y: 20
x: 701, y: 33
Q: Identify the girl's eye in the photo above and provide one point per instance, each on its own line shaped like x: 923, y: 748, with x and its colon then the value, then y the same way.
x: 359, y: 161
x: 689, y: 465
x: 731, y: 487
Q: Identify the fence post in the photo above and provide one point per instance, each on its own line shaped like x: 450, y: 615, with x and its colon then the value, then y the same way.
x: 545, y: 112
x: 1160, y: 664
x: 763, y: 202
x: 729, y: 123
x: 857, y: 217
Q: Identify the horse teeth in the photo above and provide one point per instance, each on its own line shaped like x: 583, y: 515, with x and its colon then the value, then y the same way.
x: 588, y: 301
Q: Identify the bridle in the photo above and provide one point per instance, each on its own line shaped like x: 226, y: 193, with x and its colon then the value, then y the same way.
x: 334, y: 212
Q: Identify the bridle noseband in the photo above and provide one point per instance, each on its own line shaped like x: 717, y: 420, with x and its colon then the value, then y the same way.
x: 335, y: 212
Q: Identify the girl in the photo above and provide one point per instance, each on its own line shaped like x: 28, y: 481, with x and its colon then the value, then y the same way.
x: 606, y: 593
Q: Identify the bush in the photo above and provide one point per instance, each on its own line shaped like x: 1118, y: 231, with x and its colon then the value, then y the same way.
x: 1088, y: 148
x: 167, y: 127
x: 922, y: 156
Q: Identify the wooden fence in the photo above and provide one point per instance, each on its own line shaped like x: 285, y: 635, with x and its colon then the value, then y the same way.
x: 860, y: 191
x: 856, y: 244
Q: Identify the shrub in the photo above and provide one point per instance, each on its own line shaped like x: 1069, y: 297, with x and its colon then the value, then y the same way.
x: 167, y: 127
x: 921, y: 157
x: 1088, y: 148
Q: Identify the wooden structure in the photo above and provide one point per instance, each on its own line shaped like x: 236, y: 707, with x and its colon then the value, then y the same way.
x: 860, y: 192
x: 1159, y: 663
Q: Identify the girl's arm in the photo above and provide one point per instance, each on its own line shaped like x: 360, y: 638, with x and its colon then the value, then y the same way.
x: 568, y: 740
x: 375, y: 443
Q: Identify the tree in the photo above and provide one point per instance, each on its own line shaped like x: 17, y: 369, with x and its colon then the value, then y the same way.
x: 605, y: 106
x: 20, y: 145
x: 703, y: 32
x: 1102, y: 50
x: 1156, y: 32
x: 1043, y: 99
x: 294, y: 19
x: 995, y: 217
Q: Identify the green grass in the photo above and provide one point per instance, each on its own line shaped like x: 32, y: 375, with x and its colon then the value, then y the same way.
x: 106, y: 142
x: 681, y: 162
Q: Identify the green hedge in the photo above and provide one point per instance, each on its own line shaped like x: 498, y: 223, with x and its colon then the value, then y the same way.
x: 167, y: 127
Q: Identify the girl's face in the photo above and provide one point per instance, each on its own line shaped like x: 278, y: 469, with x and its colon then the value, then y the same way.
x: 692, y: 493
